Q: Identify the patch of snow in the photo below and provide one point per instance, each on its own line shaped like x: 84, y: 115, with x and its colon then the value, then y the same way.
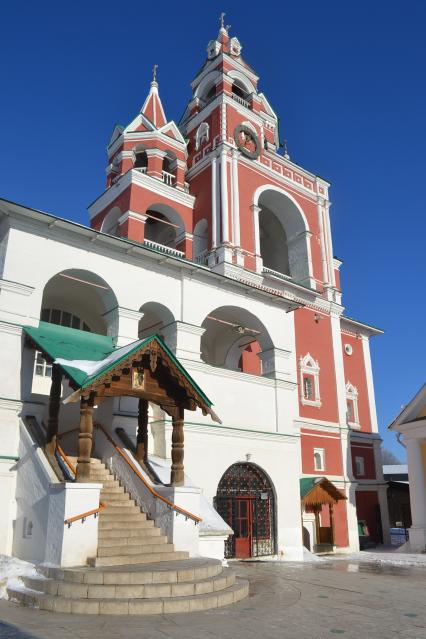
x: 91, y: 367
x: 385, y: 556
x: 11, y: 572
x: 310, y: 558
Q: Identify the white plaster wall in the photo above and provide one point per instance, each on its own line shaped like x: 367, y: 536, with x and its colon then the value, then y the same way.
x: 34, y: 476
x: 242, y: 401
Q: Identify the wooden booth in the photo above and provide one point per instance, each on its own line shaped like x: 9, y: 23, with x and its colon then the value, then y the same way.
x: 319, y: 496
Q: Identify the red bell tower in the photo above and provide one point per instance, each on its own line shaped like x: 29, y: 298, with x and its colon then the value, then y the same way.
x: 147, y: 199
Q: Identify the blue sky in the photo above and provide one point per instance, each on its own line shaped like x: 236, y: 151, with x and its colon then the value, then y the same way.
x: 347, y: 80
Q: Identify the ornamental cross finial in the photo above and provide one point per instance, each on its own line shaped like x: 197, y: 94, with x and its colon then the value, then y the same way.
x: 222, y: 20
x: 286, y: 155
x: 154, y: 73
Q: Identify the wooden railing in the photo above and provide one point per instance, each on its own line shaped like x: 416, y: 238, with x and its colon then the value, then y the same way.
x: 65, y: 459
x: 150, y: 489
x: 84, y: 516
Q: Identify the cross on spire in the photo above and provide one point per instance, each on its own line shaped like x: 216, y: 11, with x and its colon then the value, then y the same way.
x: 154, y: 73
x: 223, y: 26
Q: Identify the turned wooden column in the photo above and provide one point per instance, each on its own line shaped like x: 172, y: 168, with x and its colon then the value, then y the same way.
x: 54, y: 406
x: 317, y: 526
x: 142, y: 434
x: 85, y: 437
x: 177, y: 474
x: 330, y: 506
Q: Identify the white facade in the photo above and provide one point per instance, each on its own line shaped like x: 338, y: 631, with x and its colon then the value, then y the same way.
x: 261, y: 427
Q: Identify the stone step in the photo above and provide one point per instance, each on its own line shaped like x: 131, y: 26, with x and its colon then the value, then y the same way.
x: 124, y: 538
x: 106, y: 484
x: 127, y: 503
x: 130, y: 591
x: 143, y: 558
x: 164, y: 572
x: 112, y: 490
x: 109, y: 515
x: 121, y: 511
x: 114, y: 495
x: 108, y: 606
x: 154, y: 546
x: 116, y: 523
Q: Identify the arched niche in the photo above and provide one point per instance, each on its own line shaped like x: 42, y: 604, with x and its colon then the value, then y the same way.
x: 284, y: 234
x: 80, y: 299
x: 229, y: 330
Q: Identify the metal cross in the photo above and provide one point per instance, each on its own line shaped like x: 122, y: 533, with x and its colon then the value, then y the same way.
x: 154, y: 73
x: 222, y: 20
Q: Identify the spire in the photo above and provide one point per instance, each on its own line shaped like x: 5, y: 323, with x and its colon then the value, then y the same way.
x: 223, y: 35
x: 152, y: 108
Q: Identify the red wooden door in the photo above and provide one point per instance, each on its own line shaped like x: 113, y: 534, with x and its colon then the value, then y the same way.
x: 243, y: 527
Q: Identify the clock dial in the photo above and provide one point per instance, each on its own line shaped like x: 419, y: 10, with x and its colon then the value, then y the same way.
x: 247, y: 141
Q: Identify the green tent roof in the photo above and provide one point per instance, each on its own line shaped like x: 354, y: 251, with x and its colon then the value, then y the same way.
x: 85, y: 356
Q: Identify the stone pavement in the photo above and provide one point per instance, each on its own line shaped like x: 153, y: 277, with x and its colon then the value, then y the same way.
x: 321, y: 600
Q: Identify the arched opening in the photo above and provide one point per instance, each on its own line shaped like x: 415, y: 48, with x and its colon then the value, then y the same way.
x: 156, y: 317
x: 239, y: 90
x: 110, y: 222
x: 245, y: 499
x: 283, y: 236
x: 234, y: 339
x: 210, y: 93
x: 140, y: 158
x: 169, y: 168
x: 164, y: 225
x: 200, y: 244
x: 80, y: 299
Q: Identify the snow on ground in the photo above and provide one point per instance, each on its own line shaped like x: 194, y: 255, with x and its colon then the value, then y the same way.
x: 386, y: 555
x: 11, y: 571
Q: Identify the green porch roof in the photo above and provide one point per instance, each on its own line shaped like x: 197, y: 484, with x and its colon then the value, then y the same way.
x: 85, y: 356
x: 307, y: 483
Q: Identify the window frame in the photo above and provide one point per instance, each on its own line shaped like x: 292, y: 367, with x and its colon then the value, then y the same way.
x: 321, y: 453
x: 359, y: 463
x: 308, y: 366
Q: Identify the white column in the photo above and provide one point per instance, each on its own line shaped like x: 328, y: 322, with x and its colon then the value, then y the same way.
x: 322, y: 241
x: 256, y: 231
x: 382, y: 493
x: 123, y: 323
x: 339, y: 368
x: 224, y: 194
x: 235, y: 199
x: 214, y: 202
x: 416, y: 476
x: 370, y: 384
x: 327, y: 229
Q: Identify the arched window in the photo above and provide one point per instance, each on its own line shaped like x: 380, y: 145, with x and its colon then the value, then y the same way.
x: 309, y: 381
x: 211, y: 93
x: 140, y: 159
x: 352, y: 414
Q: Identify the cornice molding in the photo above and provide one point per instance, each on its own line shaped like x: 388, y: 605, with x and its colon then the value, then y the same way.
x: 16, y: 287
x: 14, y: 405
x: 11, y: 329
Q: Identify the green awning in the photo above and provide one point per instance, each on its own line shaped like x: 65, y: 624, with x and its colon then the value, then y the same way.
x: 308, y: 484
x: 84, y: 356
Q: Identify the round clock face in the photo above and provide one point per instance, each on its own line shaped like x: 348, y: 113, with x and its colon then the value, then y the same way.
x: 247, y: 141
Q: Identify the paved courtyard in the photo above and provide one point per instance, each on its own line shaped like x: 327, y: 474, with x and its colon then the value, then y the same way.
x: 312, y: 601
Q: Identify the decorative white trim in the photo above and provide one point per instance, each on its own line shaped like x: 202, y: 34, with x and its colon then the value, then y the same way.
x: 309, y: 366
x: 16, y: 287
x: 370, y: 384
x: 14, y: 405
x: 11, y: 329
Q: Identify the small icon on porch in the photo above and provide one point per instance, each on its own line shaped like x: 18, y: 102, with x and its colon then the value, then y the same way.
x: 138, y: 380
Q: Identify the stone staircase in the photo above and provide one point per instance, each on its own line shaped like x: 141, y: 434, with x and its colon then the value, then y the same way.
x: 136, y: 571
